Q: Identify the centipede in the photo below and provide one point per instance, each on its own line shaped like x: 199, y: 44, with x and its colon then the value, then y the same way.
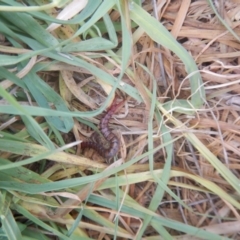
x: 110, y: 137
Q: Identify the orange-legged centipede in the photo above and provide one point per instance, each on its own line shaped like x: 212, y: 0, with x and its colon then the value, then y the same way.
x: 107, y: 133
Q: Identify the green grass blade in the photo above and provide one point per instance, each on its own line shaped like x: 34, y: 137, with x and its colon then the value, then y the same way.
x: 44, y: 95
x: 161, y: 35
x: 96, y: 43
x: 9, y: 224
x: 29, y: 25
x: 101, y: 11
x: 127, y: 43
x: 93, y: 44
x: 140, y: 212
x: 32, y: 125
x: 72, y: 60
x: 84, y: 14
x: 4, y: 73
x: 224, y: 23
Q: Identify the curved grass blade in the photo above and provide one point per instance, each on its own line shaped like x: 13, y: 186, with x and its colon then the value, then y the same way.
x: 72, y: 60
x: 34, y: 128
x: 4, y: 73
x: 224, y: 23
x: 160, y: 34
x: 8, y: 222
x: 38, y: 222
x: 126, y: 40
x: 44, y: 95
x: 141, y: 212
x: 29, y: 25
x: 96, y: 43
x: 101, y: 11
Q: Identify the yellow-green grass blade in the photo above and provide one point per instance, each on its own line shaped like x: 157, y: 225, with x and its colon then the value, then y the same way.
x: 127, y: 199
x: 38, y: 222
x: 159, y: 192
x: 209, y: 186
x: 215, y: 162
x: 39, y: 152
x: 138, y: 211
x: 21, y: 173
x: 96, y: 217
x: 205, y: 152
